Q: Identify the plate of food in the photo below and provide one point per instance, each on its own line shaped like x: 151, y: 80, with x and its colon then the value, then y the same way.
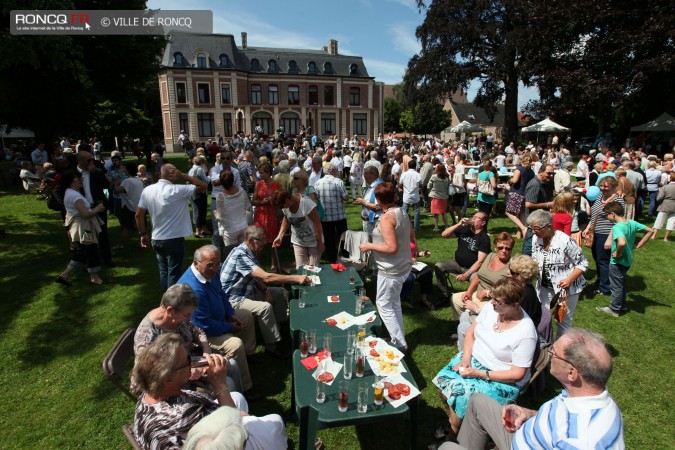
x: 342, y: 320
x: 389, y: 353
x: 381, y: 367
x: 333, y: 299
x: 398, y: 390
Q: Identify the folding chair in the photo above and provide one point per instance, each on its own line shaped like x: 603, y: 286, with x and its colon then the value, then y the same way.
x: 32, y: 187
x: 114, y: 366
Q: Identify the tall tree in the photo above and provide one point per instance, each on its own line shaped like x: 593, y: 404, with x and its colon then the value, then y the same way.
x: 425, y: 118
x: 465, y: 41
x: 392, y: 114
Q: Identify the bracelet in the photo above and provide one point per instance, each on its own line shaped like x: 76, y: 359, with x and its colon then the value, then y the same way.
x: 487, y: 375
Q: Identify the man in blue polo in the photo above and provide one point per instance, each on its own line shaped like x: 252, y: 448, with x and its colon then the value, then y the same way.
x: 370, y: 210
x: 583, y: 416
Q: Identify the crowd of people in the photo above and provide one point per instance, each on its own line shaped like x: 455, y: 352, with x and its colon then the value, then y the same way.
x: 209, y: 311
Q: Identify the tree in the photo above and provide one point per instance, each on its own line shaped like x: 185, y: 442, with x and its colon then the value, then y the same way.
x: 392, y: 114
x: 425, y: 118
x: 465, y: 41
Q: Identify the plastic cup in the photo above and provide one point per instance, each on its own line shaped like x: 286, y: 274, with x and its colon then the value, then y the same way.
x: 360, y: 362
x: 304, y: 344
x: 378, y: 391
x: 358, y: 305
x: 343, y: 396
x: 361, y: 336
x: 352, y: 276
x: 362, y: 399
x: 320, y: 392
x: 312, y: 341
x: 351, y: 338
x: 301, y: 298
x: 327, y: 343
x: 348, y: 363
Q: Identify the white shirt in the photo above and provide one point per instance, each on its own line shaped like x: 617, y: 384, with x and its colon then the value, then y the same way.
x: 167, y: 204
x: 500, y: 161
x: 314, y: 177
x: 347, y: 161
x: 214, y: 174
x: 410, y: 180
x: 133, y: 187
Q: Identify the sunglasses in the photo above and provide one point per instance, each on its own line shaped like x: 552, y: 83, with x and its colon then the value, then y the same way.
x: 504, y: 247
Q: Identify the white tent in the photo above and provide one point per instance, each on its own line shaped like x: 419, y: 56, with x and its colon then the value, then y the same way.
x: 16, y: 133
x: 546, y: 126
x: 466, y: 127
x: 665, y: 122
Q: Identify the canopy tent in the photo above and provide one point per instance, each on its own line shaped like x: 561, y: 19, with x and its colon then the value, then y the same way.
x: 546, y: 126
x: 15, y: 133
x: 466, y: 127
x: 665, y: 122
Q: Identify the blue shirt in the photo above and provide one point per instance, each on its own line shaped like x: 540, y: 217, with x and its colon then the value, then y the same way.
x: 592, y: 422
x: 235, y: 276
x: 214, y: 310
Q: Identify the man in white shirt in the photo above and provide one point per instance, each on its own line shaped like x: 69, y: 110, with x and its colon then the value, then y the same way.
x: 167, y: 204
x: 410, y: 183
x: 317, y: 172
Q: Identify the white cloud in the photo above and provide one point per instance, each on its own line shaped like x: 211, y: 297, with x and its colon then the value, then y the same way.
x: 404, y: 40
x: 385, y: 71
x: 407, y: 3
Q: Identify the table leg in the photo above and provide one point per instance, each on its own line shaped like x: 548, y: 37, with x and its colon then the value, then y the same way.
x: 308, y: 427
x: 413, y: 405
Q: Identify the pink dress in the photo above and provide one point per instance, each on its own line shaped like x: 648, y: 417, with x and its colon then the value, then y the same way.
x: 266, y: 215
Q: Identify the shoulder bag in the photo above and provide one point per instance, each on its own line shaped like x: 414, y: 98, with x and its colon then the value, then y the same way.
x: 485, y: 187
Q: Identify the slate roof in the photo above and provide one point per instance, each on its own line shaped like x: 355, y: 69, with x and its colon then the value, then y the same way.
x: 476, y: 115
x: 236, y: 58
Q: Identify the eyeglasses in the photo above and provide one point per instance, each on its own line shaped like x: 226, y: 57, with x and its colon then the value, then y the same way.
x: 551, y: 351
x: 187, y: 364
x: 498, y: 303
x: 504, y: 247
x: 513, y: 273
x: 549, y: 173
x: 210, y: 265
x: 538, y: 228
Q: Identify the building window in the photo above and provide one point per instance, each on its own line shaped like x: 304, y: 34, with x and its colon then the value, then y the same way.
x: 264, y: 119
x: 273, y: 94
x: 225, y: 93
x: 327, y: 68
x: 183, y: 122
x: 256, y: 94
x: 353, y: 69
x: 354, y: 96
x: 311, y: 67
x: 224, y: 60
x: 255, y: 65
x: 360, y: 123
x: 227, y: 125
x: 328, y: 96
x: 201, y: 60
x: 272, y: 66
x: 293, y: 95
x: 293, y: 67
x: 313, y: 95
x: 327, y: 123
x: 205, y: 125
x: 204, y: 93
x: 181, y: 94
x: 178, y: 59
x: 291, y: 123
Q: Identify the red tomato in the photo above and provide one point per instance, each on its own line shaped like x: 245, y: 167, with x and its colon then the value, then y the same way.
x: 404, y: 389
x: 372, y: 344
x: 331, y: 322
x: 374, y: 353
x: 325, y: 377
x: 394, y: 395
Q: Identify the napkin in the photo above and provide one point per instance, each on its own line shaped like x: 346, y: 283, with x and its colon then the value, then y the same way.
x: 414, y: 392
x: 364, y: 318
x: 338, y: 267
x: 312, y: 361
x: 315, y: 269
x: 328, y: 365
x: 343, y: 320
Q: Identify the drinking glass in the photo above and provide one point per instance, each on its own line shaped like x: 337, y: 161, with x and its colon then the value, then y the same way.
x: 351, y: 337
x: 378, y: 391
x: 362, y: 399
x: 327, y: 344
x: 358, y: 305
x: 343, y: 397
x: 362, y: 297
x: 360, y: 356
x: 312, y: 341
x: 352, y: 276
x: 320, y: 392
x: 301, y: 298
x: 349, y: 360
x: 361, y: 336
x: 304, y: 344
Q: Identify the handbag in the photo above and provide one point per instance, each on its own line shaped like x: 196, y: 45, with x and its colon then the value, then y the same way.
x: 590, y: 233
x: 452, y: 190
x: 485, y: 187
x: 560, y: 307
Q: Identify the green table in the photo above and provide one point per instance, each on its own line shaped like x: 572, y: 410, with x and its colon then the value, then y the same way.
x: 332, y: 281
x: 313, y: 416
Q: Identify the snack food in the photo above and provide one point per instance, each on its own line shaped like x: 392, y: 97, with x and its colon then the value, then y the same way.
x: 372, y: 344
x: 331, y: 322
x: 334, y: 298
x: 373, y: 352
x: 325, y: 377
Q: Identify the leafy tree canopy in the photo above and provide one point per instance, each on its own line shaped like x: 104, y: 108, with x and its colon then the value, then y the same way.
x: 425, y: 118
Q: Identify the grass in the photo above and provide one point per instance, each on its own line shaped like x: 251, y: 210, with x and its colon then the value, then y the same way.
x: 54, y: 339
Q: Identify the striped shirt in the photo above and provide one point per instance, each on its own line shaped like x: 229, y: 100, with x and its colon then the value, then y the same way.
x: 332, y: 193
x: 591, y: 422
x: 236, y: 277
x: 603, y: 226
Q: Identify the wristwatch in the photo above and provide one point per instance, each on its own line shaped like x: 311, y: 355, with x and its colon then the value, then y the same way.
x: 487, y: 375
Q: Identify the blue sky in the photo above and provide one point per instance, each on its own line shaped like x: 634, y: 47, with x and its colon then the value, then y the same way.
x: 380, y: 31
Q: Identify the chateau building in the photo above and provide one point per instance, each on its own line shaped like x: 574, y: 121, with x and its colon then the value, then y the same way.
x: 208, y: 86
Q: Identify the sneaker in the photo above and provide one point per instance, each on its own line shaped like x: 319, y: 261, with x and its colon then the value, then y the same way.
x: 599, y: 292
x: 607, y: 310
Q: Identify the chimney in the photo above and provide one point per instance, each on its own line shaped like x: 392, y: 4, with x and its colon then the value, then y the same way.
x: 244, y: 40
x: 332, y: 47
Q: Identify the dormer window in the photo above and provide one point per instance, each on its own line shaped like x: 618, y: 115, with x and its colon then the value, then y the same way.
x: 255, y: 65
x: 224, y: 60
x: 178, y: 59
x: 293, y: 67
x: 311, y: 67
x: 201, y: 60
x: 272, y: 66
x: 327, y: 68
x: 353, y: 69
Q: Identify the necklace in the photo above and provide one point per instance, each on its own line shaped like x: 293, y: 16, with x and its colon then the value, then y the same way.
x: 496, y: 328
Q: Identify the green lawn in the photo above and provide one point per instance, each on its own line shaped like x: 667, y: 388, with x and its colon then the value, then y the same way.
x: 53, y: 341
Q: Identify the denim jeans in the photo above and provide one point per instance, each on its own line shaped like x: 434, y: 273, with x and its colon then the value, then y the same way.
x: 617, y: 283
x: 652, y: 203
x: 601, y: 257
x: 416, y: 213
x: 169, y: 253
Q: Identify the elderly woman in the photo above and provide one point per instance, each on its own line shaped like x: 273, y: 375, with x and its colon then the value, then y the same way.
x: 653, y: 176
x: 498, y: 353
x: 391, y: 252
x: 283, y: 177
x: 83, y: 226
x: 301, y: 186
x: 199, y: 170
x: 561, y: 266
x: 265, y: 212
x: 165, y: 412
x: 301, y: 215
x: 438, y: 193
x: 230, y: 203
x: 173, y: 317
x: 602, y: 227
x: 356, y: 176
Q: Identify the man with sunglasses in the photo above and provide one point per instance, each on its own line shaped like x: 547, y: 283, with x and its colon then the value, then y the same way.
x: 538, y: 195
x: 583, y: 416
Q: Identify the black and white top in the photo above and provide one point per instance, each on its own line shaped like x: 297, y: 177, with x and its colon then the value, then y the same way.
x: 603, y: 226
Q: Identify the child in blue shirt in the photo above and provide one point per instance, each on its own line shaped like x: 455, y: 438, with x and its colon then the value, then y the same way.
x: 623, y: 240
